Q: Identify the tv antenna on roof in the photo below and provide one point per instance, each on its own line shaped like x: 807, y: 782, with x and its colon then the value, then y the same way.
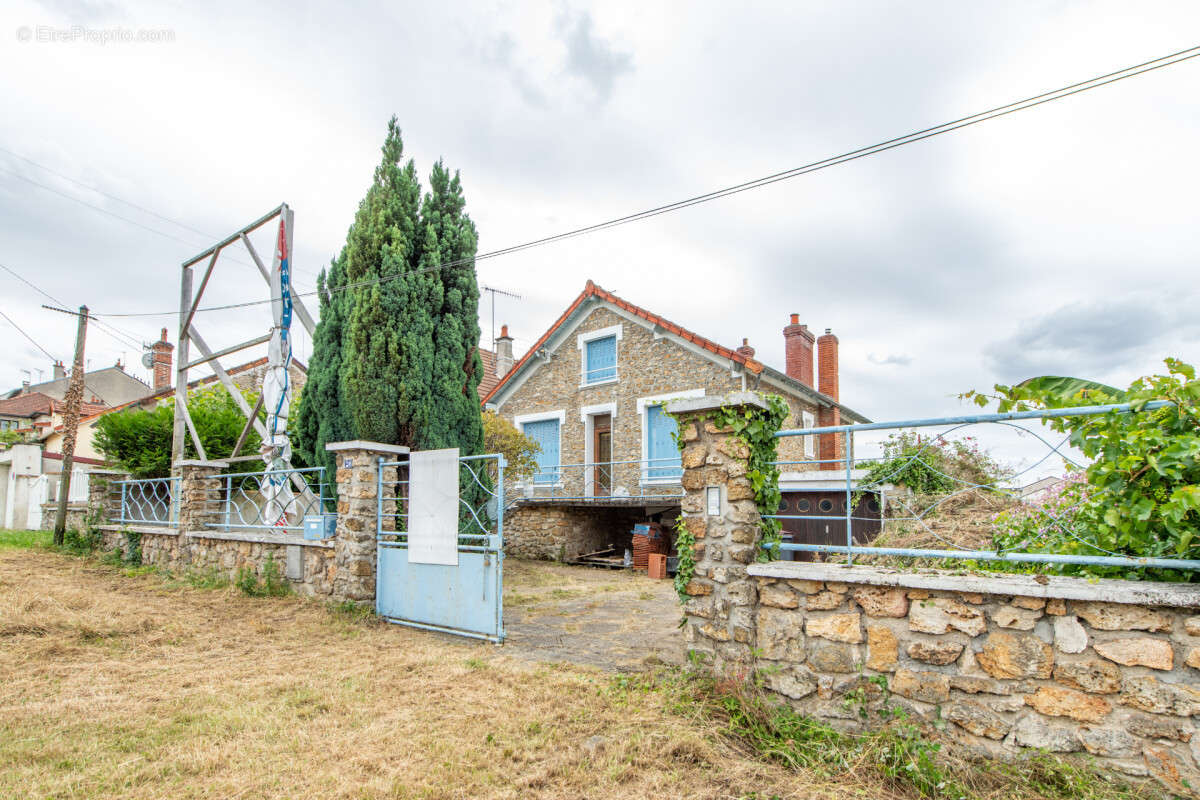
x: 493, y: 293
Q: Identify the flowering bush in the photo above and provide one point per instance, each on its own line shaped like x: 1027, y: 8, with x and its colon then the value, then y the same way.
x: 930, y: 465
x: 1046, y: 523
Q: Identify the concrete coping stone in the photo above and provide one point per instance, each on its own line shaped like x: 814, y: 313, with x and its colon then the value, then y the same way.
x: 196, y: 462
x: 258, y: 537
x: 158, y: 530
x: 376, y: 447
x: 684, y: 405
x: 1148, y: 593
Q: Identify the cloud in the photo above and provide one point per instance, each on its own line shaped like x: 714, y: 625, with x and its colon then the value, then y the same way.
x: 593, y: 59
x: 84, y: 11
x: 890, y: 360
x: 1096, y: 339
x: 501, y: 53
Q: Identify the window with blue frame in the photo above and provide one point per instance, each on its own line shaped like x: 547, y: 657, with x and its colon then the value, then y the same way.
x: 600, y: 360
x: 661, y: 451
x: 545, y: 433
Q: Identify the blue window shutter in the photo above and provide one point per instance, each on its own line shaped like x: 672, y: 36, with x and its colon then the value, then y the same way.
x: 601, y: 360
x: 545, y: 433
x: 661, y: 448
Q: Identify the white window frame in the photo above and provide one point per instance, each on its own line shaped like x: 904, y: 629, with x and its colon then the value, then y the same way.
x: 809, y: 420
x: 541, y: 416
x: 642, y: 404
x: 588, y: 415
x: 581, y: 342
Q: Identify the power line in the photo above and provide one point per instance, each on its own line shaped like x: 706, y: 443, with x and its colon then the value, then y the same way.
x: 32, y: 341
x: 103, y: 193
x: 112, y: 331
x: 852, y: 155
x: 113, y: 214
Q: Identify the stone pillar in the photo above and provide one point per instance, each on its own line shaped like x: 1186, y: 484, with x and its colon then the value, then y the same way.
x: 357, y: 489
x: 199, y: 500
x: 102, y: 498
x: 725, y: 523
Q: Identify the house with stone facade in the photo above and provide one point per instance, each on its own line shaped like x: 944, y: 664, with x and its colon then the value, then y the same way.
x: 592, y: 392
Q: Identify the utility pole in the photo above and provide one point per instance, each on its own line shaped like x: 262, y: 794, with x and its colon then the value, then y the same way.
x: 74, y: 398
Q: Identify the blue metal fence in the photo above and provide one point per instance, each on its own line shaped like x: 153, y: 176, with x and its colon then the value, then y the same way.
x: 846, y: 463
x: 245, y: 499
x: 145, y: 501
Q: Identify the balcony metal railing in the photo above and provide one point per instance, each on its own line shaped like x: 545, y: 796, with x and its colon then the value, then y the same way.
x: 602, y: 480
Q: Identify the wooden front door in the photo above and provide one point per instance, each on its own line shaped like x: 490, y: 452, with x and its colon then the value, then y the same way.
x: 602, y: 455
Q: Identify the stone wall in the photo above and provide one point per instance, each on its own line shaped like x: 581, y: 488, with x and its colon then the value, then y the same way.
x: 341, y: 568
x: 76, y: 516
x: 1004, y: 663
x: 308, y: 566
x: 1110, y: 668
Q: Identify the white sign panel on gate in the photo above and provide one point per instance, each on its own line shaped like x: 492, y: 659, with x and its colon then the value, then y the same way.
x: 433, y: 507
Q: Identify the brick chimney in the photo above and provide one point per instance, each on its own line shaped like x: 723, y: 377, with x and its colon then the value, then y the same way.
x: 745, y: 350
x: 798, y: 351
x: 830, y: 445
x: 162, y: 362
x: 504, y: 353
x: 59, y: 370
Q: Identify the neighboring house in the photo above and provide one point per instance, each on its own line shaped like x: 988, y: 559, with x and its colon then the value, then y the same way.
x: 591, y: 391
x: 36, y: 412
x: 110, y: 386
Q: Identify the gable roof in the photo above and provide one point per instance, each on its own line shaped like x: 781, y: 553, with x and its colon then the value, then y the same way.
x: 27, y: 405
x: 594, y: 293
x: 488, y: 380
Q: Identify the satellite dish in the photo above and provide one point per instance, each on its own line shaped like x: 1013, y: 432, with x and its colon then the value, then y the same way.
x: 148, y: 359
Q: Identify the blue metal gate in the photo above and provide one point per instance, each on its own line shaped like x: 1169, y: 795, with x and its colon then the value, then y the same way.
x: 465, y: 598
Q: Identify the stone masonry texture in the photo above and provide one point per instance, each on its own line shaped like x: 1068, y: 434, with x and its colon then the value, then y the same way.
x: 1105, y: 679
x: 646, y: 367
x: 720, y: 614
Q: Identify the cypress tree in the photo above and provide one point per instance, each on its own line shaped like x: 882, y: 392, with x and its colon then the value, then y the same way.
x: 450, y: 237
x: 320, y: 418
x: 396, y: 359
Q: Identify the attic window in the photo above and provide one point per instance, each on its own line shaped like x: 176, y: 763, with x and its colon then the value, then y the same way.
x: 601, y: 360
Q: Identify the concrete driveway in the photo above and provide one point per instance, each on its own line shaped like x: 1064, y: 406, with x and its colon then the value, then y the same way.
x: 617, y: 620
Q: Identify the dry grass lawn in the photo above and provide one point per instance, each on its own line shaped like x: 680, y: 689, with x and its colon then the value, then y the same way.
x: 120, y: 685
x: 131, y: 687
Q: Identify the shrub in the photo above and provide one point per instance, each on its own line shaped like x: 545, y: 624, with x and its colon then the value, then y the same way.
x: 520, y: 452
x: 933, y: 464
x: 1140, y: 494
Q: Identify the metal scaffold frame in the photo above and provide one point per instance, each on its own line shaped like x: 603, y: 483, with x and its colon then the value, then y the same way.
x: 283, y: 303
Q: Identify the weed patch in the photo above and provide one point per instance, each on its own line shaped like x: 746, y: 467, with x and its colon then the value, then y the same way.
x: 270, y: 583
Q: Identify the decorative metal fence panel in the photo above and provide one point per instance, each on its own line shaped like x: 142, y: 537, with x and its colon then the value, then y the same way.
x: 464, y: 599
x: 276, y: 500
x: 920, y: 514
x: 146, y: 501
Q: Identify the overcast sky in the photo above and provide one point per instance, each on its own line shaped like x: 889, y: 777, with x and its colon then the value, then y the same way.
x: 1057, y: 240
